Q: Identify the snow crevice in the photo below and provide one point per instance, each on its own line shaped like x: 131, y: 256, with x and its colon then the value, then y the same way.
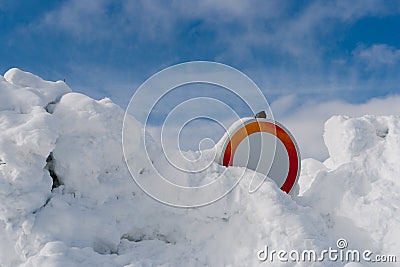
x: 51, y: 169
x: 146, y: 237
x: 50, y: 106
x: 43, y: 206
x: 382, y: 133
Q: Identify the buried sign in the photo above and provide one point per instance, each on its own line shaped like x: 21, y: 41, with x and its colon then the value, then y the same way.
x: 262, y: 145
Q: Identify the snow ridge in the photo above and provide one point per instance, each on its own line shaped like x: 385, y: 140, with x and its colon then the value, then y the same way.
x: 97, y: 216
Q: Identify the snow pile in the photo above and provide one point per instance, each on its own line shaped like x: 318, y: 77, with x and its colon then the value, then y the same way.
x: 67, y: 198
x: 359, y: 195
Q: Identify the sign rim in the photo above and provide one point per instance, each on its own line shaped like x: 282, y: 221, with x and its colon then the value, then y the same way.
x: 257, y: 125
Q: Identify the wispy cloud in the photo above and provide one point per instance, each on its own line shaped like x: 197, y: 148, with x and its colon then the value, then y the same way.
x: 292, y: 50
x: 87, y: 20
x: 282, y: 25
x: 288, y: 48
x: 378, y: 55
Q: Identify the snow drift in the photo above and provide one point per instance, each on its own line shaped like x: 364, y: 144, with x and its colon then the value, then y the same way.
x: 67, y: 198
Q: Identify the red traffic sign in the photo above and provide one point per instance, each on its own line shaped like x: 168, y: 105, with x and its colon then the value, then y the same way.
x: 264, y: 146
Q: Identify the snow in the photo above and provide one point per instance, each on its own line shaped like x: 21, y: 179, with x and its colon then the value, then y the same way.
x: 310, y: 170
x: 21, y: 91
x: 98, y: 216
x: 364, y: 186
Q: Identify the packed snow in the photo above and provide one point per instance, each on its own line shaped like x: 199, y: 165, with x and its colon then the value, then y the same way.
x: 67, y: 197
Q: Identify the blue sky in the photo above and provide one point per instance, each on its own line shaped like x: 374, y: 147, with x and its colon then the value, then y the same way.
x: 312, y: 59
x: 346, y: 50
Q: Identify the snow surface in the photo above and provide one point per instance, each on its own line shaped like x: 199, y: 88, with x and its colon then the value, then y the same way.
x: 99, y: 217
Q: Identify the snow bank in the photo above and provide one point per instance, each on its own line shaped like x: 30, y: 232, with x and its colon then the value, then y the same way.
x: 91, y: 213
x: 28, y: 134
x: 22, y: 91
x: 359, y: 197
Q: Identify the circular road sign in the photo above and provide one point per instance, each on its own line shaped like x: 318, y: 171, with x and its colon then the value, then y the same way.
x: 265, y: 146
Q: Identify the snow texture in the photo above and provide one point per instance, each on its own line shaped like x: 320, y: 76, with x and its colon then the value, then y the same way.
x: 67, y: 198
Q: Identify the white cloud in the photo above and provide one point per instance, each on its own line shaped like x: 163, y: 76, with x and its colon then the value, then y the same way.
x: 283, y: 104
x: 78, y: 18
x: 306, y: 121
x: 293, y: 34
x: 271, y: 23
x: 300, y: 34
x: 378, y: 55
x: 240, y: 26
